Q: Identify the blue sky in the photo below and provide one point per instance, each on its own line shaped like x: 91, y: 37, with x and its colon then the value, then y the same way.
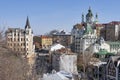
x: 45, y: 15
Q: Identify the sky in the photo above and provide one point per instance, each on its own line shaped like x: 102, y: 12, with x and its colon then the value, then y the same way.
x: 46, y: 15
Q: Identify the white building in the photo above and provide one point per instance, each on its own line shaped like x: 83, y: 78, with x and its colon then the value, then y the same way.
x: 20, y: 40
x: 84, y: 34
x: 114, y: 46
x: 99, y: 45
x: 65, y: 62
x: 68, y: 63
x: 82, y: 42
x: 63, y: 59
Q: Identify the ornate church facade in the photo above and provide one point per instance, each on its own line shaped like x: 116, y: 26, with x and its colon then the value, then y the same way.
x: 84, y: 34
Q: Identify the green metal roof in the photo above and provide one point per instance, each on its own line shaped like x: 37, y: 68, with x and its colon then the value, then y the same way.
x: 113, y: 43
x: 88, y: 29
x: 102, y: 52
x: 89, y: 14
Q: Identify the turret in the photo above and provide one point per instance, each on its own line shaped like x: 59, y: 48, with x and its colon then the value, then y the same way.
x: 82, y: 18
x: 89, y: 16
x: 28, y: 38
x: 27, y: 26
x: 96, y: 18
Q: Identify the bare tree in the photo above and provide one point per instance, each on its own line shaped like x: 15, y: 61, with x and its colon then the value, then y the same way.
x: 2, y: 36
x: 83, y: 60
x: 12, y: 66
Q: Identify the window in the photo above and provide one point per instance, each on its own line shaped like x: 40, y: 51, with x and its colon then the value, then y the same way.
x: 24, y: 44
x: 15, y: 34
x: 8, y: 39
x: 11, y: 39
x: 14, y: 44
x: 24, y: 49
x: 22, y: 39
x: 14, y: 39
x: 18, y: 39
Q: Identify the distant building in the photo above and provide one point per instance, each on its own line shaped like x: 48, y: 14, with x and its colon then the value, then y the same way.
x: 20, y: 40
x: 36, y: 41
x: 114, y: 46
x: 99, y: 27
x: 45, y: 42
x: 84, y: 39
x: 111, y: 31
x: 37, y: 46
x: 62, y: 38
x: 86, y: 33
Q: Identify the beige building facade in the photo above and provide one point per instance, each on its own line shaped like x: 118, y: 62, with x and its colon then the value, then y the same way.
x: 45, y: 42
x: 20, y: 40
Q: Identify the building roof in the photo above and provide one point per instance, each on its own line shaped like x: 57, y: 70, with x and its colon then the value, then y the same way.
x: 99, y: 25
x: 97, y: 63
x: 27, y: 23
x: 115, y: 22
x: 14, y: 30
x: 78, y: 26
x: 56, y: 47
x: 43, y: 36
x: 62, y: 33
x: 102, y: 52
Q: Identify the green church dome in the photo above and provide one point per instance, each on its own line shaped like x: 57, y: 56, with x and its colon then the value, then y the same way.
x: 89, y: 14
